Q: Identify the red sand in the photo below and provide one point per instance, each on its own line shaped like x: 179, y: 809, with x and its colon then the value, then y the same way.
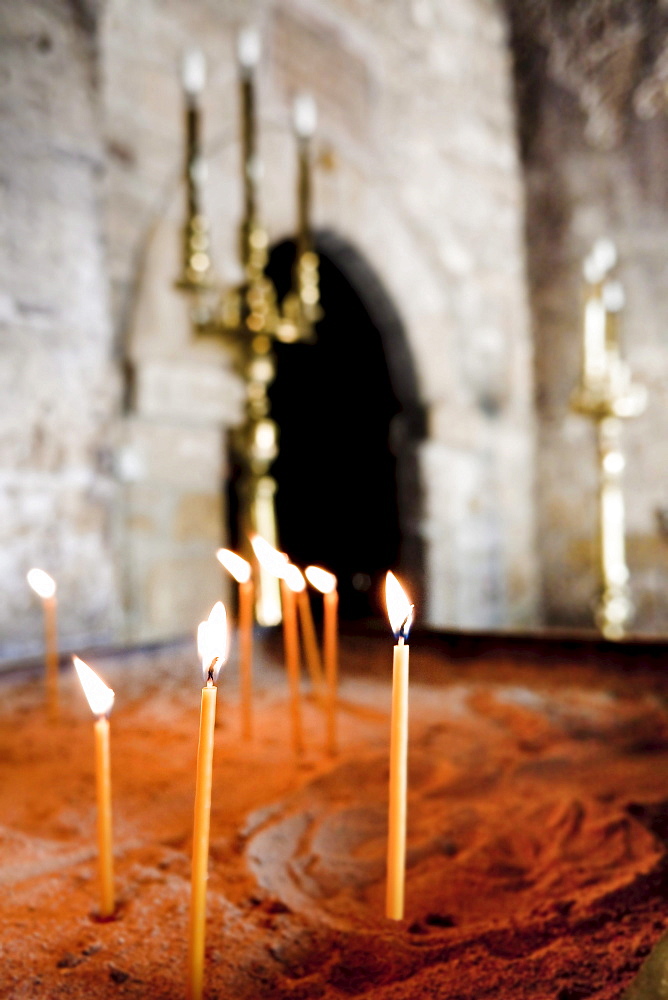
x: 537, y: 837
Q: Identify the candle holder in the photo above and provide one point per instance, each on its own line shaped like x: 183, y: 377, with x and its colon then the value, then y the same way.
x: 607, y: 396
x: 248, y: 318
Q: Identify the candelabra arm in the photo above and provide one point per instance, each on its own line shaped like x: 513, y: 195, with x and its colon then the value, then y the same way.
x: 196, y: 274
x: 248, y: 318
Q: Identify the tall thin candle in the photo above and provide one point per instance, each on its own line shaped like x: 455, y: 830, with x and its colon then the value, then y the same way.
x: 212, y: 644
x: 400, y: 613
x: 297, y: 584
x: 241, y: 571
x: 275, y: 562
x: 45, y: 587
x: 101, y: 699
x: 248, y: 54
x: 325, y: 582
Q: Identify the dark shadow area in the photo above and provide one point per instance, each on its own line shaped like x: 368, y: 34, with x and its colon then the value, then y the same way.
x: 348, y: 491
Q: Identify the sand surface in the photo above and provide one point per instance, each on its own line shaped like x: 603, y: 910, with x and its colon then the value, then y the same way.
x: 538, y: 824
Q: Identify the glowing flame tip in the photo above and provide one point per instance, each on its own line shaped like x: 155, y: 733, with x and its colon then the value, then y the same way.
x: 399, y: 608
x: 269, y: 558
x: 43, y: 584
x: 99, y: 696
x: 235, y: 564
x: 294, y: 578
x: 321, y: 579
x: 212, y: 644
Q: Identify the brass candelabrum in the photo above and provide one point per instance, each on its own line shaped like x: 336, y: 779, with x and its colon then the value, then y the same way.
x: 607, y: 396
x: 248, y: 318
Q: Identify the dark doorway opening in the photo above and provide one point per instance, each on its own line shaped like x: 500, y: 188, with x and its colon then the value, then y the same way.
x: 348, y: 491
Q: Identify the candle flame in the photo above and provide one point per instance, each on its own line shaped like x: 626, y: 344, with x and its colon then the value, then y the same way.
x: 43, y: 584
x: 248, y: 48
x: 269, y: 558
x: 304, y: 115
x: 99, y: 696
x: 212, y: 645
x: 193, y: 72
x: 399, y: 608
x: 294, y: 578
x: 239, y: 567
x: 321, y: 579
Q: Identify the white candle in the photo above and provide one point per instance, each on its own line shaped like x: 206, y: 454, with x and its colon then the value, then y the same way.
x: 45, y: 587
x: 193, y: 72
x: 248, y: 49
x: 304, y: 115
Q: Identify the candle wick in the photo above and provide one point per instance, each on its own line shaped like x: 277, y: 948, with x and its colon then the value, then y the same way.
x: 210, y: 673
x: 405, y: 625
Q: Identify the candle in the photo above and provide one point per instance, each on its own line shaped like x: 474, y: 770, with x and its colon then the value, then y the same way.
x: 101, y: 698
x: 276, y: 562
x: 241, y: 571
x: 248, y: 49
x: 597, y: 266
x: 304, y: 116
x: 193, y: 73
x: 212, y: 646
x: 248, y: 54
x: 295, y: 580
x: 326, y: 583
x: 45, y: 587
x: 400, y: 613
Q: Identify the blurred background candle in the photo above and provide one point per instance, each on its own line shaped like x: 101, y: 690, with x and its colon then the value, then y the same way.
x: 212, y: 648
x: 292, y: 657
x: 400, y: 613
x: 240, y: 569
x: 45, y: 587
x: 248, y: 56
x: 277, y: 563
x: 101, y: 698
x: 295, y: 579
x: 325, y: 582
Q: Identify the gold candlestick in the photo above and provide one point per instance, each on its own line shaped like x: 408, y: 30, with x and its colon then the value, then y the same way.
x: 196, y: 245
x: 249, y: 318
x: 607, y: 396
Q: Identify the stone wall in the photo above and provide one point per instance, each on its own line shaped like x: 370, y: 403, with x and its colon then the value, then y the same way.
x: 417, y: 168
x: 595, y: 152
x: 60, y: 382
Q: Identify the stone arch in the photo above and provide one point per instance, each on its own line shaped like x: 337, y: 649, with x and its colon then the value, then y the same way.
x: 351, y: 422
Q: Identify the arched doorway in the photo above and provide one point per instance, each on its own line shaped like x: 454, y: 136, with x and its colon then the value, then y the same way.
x: 347, y: 407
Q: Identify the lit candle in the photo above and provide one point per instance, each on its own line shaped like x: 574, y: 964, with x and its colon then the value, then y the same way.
x: 193, y: 73
x: 297, y: 584
x: 400, y: 613
x: 276, y: 562
x: 304, y: 115
x: 248, y: 49
x: 326, y: 583
x: 597, y: 266
x: 212, y: 646
x: 241, y: 571
x: 248, y: 54
x: 45, y: 587
x: 101, y: 698
x: 305, y: 120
